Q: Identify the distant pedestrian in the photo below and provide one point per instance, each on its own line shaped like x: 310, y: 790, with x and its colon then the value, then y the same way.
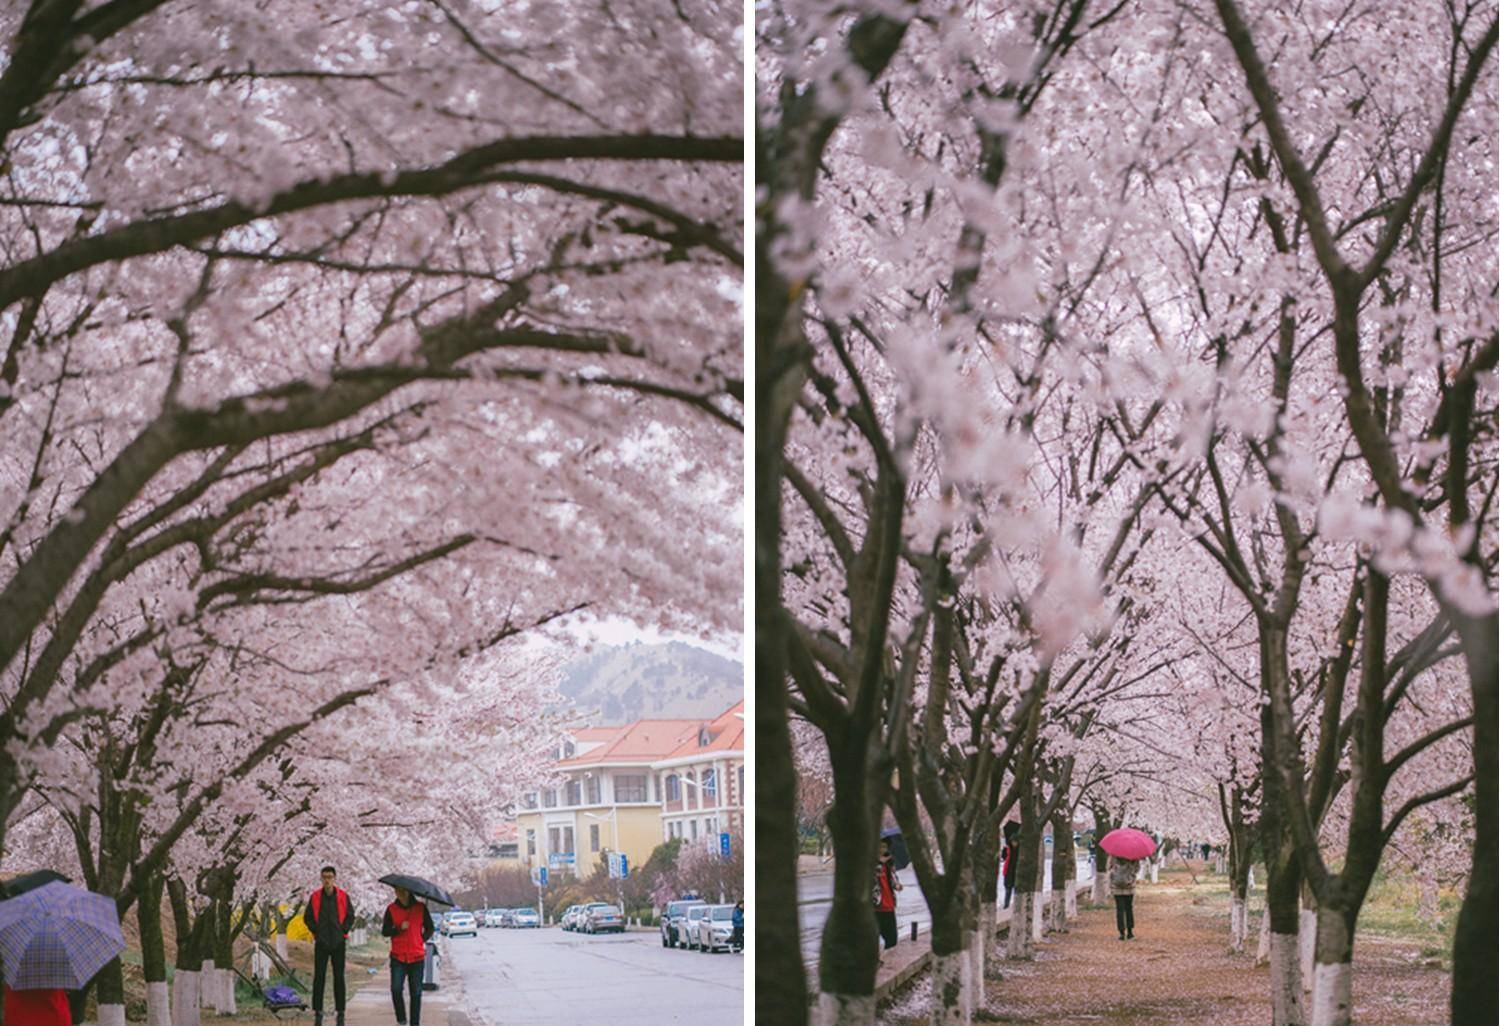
x: 37, y: 1008
x: 409, y: 926
x: 1122, y: 885
x: 329, y: 915
x: 1008, y: 860
x: 1206, y: 849
x: 886, y: 886
x: 738, y: 919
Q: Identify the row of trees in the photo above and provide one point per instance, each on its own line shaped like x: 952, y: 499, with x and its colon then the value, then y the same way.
x: 347, y: 361
x: 1124, y: 441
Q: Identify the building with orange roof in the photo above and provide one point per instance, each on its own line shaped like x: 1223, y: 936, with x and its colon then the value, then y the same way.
x: 702, y: 781
x: 629, y: 788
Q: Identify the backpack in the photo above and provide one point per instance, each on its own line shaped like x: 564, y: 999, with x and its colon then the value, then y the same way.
x: 282, y: 995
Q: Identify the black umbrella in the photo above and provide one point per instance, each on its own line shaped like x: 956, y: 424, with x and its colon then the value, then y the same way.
x: 899, y: 854
x: 421, y: 888
x: 29, y: 882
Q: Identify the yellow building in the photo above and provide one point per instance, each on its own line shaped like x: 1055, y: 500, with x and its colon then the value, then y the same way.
x: 609, y: 797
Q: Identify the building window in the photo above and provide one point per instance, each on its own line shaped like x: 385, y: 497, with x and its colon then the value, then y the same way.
x: 693, y: 798
x: 568, y: 839
x: 693, y: 826
x: 674, y: 787
x: 575, y: 793
x: 549, y: 798
x: 531, y: 844
x: 630, y: 788
x: 593, y: 837
x: 531, y: 799
x: 739, y: 794
x: 710, y: 788
x: 591, y: 790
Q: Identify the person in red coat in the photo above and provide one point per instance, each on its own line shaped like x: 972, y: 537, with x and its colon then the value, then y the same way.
x: 409, y: 926
x: 329, y: 915
x: 37, y: 1008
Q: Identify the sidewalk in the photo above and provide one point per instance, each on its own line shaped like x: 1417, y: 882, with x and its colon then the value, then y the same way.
x: 371, y: 1004
x: 910, y: 959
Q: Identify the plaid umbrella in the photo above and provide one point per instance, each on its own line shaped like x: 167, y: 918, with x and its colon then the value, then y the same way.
x: 57, y: 936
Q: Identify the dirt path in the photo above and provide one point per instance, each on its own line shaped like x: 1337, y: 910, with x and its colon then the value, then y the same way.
x: 1179, y: 972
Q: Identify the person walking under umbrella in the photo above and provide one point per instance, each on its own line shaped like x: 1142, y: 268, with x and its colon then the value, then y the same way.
x: 329, y: 915
x: 886, y: 886
x: 53, y: 939
x: 1122, y: 873
x: 409, y: 926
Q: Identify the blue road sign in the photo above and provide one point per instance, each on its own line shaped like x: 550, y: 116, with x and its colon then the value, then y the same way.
x: 724, y: 844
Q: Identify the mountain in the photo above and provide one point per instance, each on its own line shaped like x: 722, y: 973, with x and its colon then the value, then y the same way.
x: 616, y: 684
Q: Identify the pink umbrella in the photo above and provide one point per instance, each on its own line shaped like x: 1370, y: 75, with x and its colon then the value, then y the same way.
x: 1128, y: 843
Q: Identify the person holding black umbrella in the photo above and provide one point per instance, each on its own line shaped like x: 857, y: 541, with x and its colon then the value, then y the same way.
x: 329, y: 915
x: 886, y: 886
x: 409, y: 926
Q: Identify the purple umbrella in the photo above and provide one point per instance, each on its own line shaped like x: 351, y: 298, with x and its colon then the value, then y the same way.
x: 57, y: 936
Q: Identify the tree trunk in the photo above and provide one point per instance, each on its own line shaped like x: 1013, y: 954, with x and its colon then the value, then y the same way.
x: 1331, y: 1004
x: 1021, y: 940
x: 224, y: 1002
x: 1239, y: 895
x: 849, y: 953
x: 1307, y: 936
x: 1263, y: 945
x: 110, y: 982
x: 153, y: 953
x: 1038, y: 901
x: 1062, y: 870
x: 951, y: 968
x: 1475, y: 949
x: 1283, y: 872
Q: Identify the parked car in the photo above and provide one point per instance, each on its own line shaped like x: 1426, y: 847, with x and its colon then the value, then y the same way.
x: 456, y: 924
x: 569, y: 920
x: 687, y: 930
x: 716, y: 929
x: 525, y: 917
x: 671, y: 919
x: 603, y: 918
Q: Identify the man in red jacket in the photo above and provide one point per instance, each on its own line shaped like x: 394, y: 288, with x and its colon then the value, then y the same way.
x: 329, y: 915
x: 409, y: 926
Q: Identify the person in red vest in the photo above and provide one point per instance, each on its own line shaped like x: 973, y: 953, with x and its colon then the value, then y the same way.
x: 329, y: 915
x: 37, y: 1008
x: 886, y: 886
x: 409, y: 926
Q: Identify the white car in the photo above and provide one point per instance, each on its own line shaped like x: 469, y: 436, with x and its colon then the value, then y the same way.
x: 687, y: 928
x: 526, y: 917
x: 456, y: 924
x: 716, y: 929
x: 569, y: 918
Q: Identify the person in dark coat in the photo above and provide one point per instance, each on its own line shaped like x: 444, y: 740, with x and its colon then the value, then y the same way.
x: 409, y: 926
x: 886, y: 886
x: 1122, y: 873
x: 1008, y: 860
x: 738, y: 919
x: 328, y: 916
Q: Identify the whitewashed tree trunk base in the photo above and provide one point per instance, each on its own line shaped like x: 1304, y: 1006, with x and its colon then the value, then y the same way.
x: 186, y: 993
x: 1057, y: 913
x: 1251, y: 876
x: 111, y: 1015
x: 1070, y: 910
x: 208, y: 985
x: 1237, y: 928
x: 846, y: 1009
x: 158, y: 1004
x: 1286, y: 981
x: 1101, y: 887
x: 227, y: 1004
x: 976, y: 953
x: 281, y: 946
x: 1307, y: 944
x: 1332, y: 1004
x: 1018, y: 943
x: 1154, y: 868
x: 1263, y: 945
x: 1038, y: 915
x: 950, y: 990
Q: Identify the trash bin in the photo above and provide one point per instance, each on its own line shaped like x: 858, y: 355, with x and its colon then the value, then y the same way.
x: 430, y: 967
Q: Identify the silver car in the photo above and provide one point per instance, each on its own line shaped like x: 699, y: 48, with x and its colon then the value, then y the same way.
x: 687, y: 928
x: 716, y: 929
x: 671, y: 919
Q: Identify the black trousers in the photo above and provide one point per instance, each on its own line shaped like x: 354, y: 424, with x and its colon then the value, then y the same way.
x: 1010, y: 889
x: 322, y: 956
x: 887, y: 923
x: 409, y: 974
x: 1125, y: 913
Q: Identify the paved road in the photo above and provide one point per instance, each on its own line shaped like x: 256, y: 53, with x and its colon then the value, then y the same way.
x: 547, y: 977
x: 815, y: 897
